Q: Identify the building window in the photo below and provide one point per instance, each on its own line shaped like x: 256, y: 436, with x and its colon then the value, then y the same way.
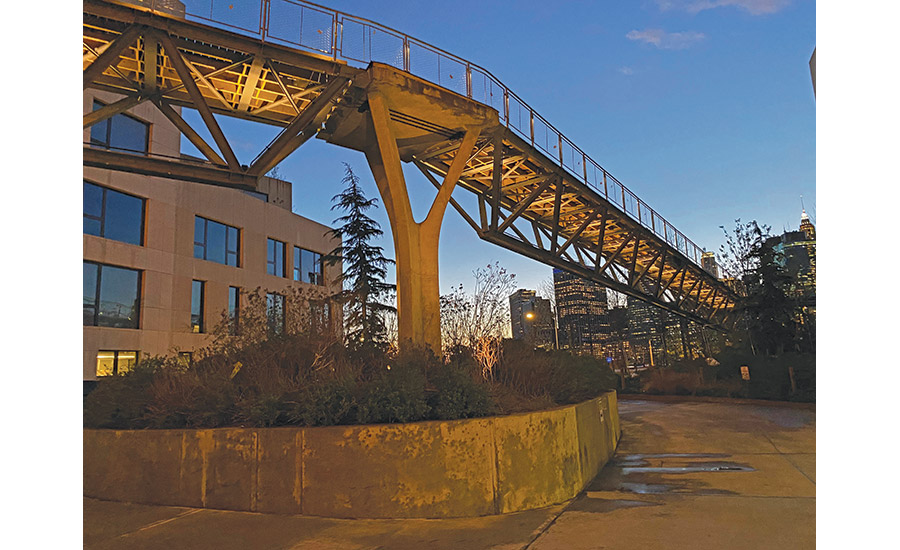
x: 185, y: 358
x: 113, y: 215
x: 111, y: 363
x: 275, y: 312
x: 275, y: 258
x: 216, y: 242
x: 197, y: 324
x: 122, y: 132
x: 234, y: 309
x: 308, y: 266
x: 112, y: 296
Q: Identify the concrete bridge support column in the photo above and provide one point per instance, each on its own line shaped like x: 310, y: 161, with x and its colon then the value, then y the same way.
x: 415, y: 243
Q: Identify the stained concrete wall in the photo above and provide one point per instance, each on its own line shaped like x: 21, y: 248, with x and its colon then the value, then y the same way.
x: 424, y: 469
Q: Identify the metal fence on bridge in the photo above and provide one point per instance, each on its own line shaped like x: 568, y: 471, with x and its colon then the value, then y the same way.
x: 358, y: 41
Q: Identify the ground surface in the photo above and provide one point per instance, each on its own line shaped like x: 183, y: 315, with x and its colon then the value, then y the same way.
x: 687, y: 474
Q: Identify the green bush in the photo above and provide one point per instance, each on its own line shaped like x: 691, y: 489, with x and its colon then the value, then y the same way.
x: 122, y: 401
x: 460, y: 392
x: 326, y: 403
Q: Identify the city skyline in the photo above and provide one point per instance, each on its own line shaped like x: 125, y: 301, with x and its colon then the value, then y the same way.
x: 693, y: 136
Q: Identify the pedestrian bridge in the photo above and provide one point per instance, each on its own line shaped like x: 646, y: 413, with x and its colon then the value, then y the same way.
x: 318, y: 72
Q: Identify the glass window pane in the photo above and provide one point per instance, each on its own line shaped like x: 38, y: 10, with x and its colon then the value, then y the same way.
x: 199, y: 237
x: 92, y: 227
x: 197, y: 306
x: 215, y: 242
x: 90, y: 293
x: 308, y: 264
x: 99, y: 131
x: 127, y: 133
x: 232, y: 239
x: 270, y: 257
x: 124, y: 217
x: 93, y: 200
x: 125, y: 361
x: 119, y: 291
x: 297, y: 268
x: 279, y: 259
x: 234, y: 294
x: 106, y: 362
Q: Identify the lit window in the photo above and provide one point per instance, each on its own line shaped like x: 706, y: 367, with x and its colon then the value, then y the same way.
x: 111, y: 363
x: 113, y: 215
x: 308, y: 266
x: 275, y: 312
x: 111, y: 296
x: 275, y: 258
x: 197, y: 324
x: 122, y: 132
x: 185, y: 358
x: 216, y: 242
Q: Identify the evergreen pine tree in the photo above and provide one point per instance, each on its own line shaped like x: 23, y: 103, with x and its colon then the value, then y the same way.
x: 364, y: 265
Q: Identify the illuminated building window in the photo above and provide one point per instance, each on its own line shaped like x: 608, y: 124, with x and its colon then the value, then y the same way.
x: 216, y: 242
x: 308, y: 266
x: 185, y: 358
x: 113, y: 215
x: 275, y: 258
x: 197, y: 288
x: 112, y: 296
x: 111, y: 363
x: 122, y: 132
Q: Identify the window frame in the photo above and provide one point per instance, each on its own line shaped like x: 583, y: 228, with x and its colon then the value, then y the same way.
x: 298, y: 266
x: 103, y: 214
x: 97, y: 105
x: 234, y: 310
x: 273, y: 262
x: 116, y: 352
x: 204, y: 244
x: 201, y: 324
x: 98, y: 298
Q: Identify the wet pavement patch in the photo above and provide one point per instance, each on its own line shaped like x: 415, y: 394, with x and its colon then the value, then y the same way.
x: 694, y: 468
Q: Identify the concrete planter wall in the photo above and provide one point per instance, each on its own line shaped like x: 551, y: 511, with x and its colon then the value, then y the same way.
x: 423, y: 469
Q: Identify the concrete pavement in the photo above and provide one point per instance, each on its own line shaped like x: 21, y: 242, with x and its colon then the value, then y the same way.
x: 687, y: 474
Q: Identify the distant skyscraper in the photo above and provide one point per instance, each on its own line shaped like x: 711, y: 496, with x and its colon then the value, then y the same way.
x: 531, y: 317
x: 798, y: 258
x: 708, y: 262
x: 581, y: 306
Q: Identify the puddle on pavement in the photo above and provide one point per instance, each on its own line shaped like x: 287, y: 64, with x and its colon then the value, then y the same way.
x: 702, y: 467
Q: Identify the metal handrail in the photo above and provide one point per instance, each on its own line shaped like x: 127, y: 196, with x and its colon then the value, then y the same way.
x: 353, y: 39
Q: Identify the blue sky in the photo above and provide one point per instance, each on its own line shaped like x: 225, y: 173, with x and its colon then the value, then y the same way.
x: 703, y: 108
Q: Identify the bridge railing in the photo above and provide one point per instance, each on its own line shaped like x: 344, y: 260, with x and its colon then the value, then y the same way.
x: 358, y: 41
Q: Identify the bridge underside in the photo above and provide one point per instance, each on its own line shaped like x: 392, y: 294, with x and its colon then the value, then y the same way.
x: 525, y: 201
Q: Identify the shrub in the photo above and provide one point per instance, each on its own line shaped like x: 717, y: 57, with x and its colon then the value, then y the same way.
x: 326, y: 403
x: 122, y: 401
x: 397, y: 394
x: 461, y: 392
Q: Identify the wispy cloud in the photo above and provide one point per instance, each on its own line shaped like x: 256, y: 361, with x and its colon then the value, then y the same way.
x: 753, y: 7
x: 666, y: 40
x: 627, y: 71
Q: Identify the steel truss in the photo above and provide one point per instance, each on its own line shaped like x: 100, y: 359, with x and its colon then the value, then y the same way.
x: 173, y: 63
x: 528, y: 205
